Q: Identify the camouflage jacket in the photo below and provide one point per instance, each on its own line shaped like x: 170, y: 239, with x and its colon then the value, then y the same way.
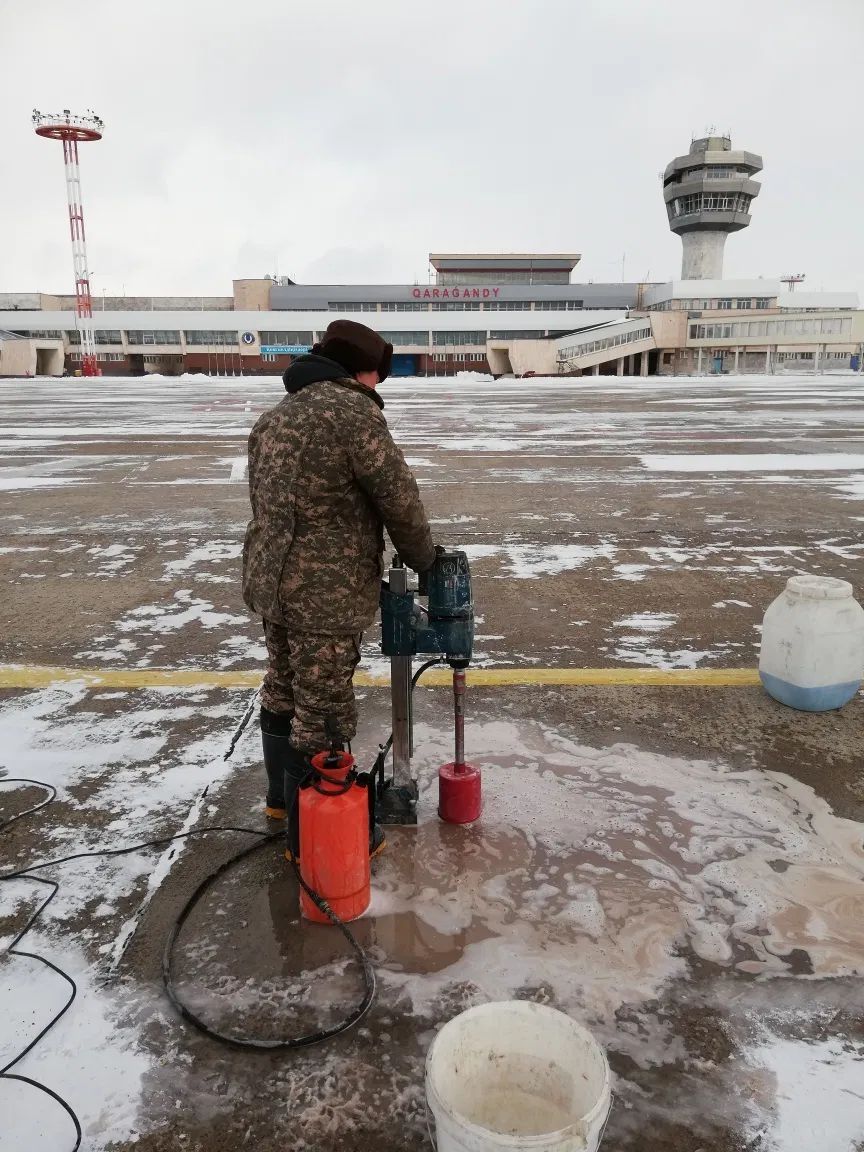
x: 325, y: 478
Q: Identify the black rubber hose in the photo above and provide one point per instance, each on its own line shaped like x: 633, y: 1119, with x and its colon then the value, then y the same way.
x: 257, y: 1043
x: 167, y: 955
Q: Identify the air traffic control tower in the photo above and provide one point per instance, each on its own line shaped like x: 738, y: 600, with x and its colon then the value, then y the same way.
x: 708, y: 194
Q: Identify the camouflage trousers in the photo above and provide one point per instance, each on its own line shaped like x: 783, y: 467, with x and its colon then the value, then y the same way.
x: 310, y: 678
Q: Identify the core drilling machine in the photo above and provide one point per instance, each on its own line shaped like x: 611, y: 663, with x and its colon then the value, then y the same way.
x: 444, y: 629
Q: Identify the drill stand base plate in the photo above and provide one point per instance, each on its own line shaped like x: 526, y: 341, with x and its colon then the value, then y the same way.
x: 397, y: 804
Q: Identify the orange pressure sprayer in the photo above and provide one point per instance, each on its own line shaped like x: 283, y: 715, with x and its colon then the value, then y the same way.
x: 334, y: 838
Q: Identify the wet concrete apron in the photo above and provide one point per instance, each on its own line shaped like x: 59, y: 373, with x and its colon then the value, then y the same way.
x: 652, y: 860
x: 667, y: 901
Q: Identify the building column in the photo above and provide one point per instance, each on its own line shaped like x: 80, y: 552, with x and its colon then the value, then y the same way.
x: 595, y: 371
x: 629, y: 368
x: 817, y: 358
x: 643, y: 364
x: 768, y: 359
x: 620, y: 367
x: 699, y: 363
x: 737, y: 358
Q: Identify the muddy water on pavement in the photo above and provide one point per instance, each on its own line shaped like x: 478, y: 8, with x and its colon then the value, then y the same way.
x: 596, y: 873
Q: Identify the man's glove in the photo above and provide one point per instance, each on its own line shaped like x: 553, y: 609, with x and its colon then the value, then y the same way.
x: 423, y: 577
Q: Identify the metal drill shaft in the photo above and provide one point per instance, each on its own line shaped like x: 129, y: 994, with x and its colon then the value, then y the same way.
x: 459, y: 716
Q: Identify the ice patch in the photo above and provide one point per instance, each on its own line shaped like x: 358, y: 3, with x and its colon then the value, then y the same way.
x: 90, y: 1057
x: 636, y: 650
x: 851, y: 489
x: 187, y: 609
x: 756, y: 462
x: 647, y: 621
x: 530, y: 561
x: 214, y: 552
x: 20, y: 483
x: 815, y: 1092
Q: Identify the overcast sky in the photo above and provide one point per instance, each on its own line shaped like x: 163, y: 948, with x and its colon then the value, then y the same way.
x: 343, y: 140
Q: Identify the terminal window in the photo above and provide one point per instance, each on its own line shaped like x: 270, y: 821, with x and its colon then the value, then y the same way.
x: 456, y: 338
x: 405, y: 339
x: 286, y: 337
x: 101, y: 336
x: 457, y: 306
x: 211, y: 339
x: 150, y: 337
x: 506, y: 276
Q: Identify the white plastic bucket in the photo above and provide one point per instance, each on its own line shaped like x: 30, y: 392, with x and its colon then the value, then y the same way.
x: 517, y: 1075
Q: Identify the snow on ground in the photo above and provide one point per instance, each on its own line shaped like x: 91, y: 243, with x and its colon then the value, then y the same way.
x: 818, y: 1092
x: 92, y: 1057
x: 647, y: 621
x: 760, y: 462
x: 212, y: 553
x: 20, y: 483
x: 142, y: 779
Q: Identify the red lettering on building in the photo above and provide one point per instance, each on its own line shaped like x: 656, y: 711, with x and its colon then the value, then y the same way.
x: 454, y: 293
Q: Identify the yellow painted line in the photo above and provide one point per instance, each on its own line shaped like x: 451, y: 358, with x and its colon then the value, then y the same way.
x: 570, y: 677
x: 34, y: 676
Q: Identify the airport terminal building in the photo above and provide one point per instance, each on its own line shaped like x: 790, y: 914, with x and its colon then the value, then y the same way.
x: 504, y: 314
x: 437, y: 327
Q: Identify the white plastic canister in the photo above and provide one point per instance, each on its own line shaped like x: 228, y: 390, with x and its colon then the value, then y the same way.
x: 516, y: 1075
x: 812, y: 654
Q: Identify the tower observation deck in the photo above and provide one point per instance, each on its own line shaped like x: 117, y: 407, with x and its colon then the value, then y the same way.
x: 708, y: 194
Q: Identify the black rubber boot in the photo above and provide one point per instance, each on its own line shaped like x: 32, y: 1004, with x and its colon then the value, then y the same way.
x: 275, y: 733
x: 286, y: 769
x: 377, y: 840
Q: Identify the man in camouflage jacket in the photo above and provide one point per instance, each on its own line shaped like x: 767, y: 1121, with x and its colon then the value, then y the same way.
x: 325, y: 479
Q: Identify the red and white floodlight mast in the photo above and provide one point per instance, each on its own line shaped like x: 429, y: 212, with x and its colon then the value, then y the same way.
x: 72, y: 130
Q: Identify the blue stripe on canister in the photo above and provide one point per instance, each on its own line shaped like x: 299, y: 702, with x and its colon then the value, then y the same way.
x: 821, y: 699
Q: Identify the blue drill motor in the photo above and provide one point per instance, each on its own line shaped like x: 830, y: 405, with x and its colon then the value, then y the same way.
x: 446, y: 627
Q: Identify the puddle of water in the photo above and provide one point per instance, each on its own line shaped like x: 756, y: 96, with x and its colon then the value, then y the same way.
x: 597, y: 873
x: 597, y: 870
